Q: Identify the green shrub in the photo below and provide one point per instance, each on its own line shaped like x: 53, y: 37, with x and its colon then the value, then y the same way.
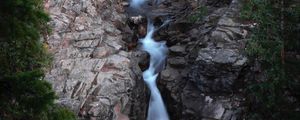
x: 197, y: 14
x: 274, y: 97
x: 22, y: 22
x: 60, y: 113
x: 25, y: 95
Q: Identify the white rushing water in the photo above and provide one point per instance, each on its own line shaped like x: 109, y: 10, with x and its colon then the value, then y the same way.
x: 158, y: 53
x: 136, y: 3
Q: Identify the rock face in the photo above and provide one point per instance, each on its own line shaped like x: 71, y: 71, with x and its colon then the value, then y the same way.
x: 219, y: 65
x: 92, y: 71
x: 217, y: 70
x: 96, y: 76
x: 206, y: 64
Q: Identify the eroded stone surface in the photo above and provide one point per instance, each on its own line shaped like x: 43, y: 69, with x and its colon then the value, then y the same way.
x: 206, y: 64
x: 91, y: 73
x: 219, y: 65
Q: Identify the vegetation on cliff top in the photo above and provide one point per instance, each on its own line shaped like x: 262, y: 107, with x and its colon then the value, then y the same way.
x: 24, y: 94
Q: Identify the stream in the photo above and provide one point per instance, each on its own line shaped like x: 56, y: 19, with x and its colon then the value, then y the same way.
x: 158, y: 53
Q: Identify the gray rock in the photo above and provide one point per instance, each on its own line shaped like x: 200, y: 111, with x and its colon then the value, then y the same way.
x: 220, y: 37
x: 241, y: 62
x: 192, y: 100
x: 169, y: 74
x: 213, y: 111
x: 177, y: 50
x: 104, y: 51
x: 218, y: 66
x: 86, y: 43
x: 225, y: 56
x: 227, y: 115
x: 178, y: 62
x: 217, y: 69
x: 221, y: 56
x: 225, y: 21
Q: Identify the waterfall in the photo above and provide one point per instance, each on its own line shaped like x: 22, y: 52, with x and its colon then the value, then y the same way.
x: 158, y: 52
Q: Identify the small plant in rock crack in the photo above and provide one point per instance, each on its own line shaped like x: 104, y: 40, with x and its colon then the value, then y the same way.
x: 197, y: 14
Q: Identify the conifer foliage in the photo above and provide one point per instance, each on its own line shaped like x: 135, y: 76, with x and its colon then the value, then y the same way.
x: 275, y: 36
x: 24, y: 94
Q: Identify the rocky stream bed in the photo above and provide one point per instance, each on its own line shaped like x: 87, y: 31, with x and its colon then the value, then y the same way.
x: 97, y: 69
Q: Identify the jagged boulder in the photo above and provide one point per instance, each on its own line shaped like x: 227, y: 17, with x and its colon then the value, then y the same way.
x: 216, y: 70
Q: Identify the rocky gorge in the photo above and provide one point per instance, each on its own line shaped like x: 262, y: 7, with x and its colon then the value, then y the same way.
x: 97, y: 67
